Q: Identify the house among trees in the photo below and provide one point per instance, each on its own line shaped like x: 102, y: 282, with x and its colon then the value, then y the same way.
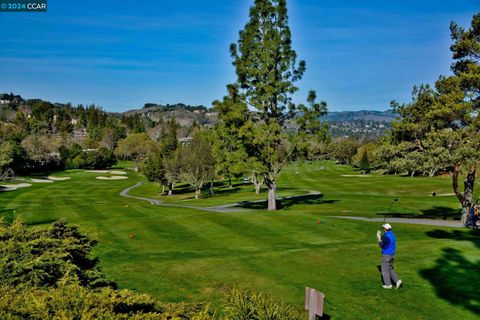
x: 185, y: 141
x: 80, y: 134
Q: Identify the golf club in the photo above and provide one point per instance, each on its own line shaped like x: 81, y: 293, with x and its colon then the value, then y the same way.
x: 385, y: 216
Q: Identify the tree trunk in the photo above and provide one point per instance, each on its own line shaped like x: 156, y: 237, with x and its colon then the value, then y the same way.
x: 197, y: 192
x: 198, y: 189
x: 432, y: 173
x: 212, y: 192
x: 465, y: 199
x: 230, y: 183
x: 455, y: 173
x: 256, y: 182
x: 272, y: 193
x: 170, y: 188
x: 258, y: 186
x: 163, y: 188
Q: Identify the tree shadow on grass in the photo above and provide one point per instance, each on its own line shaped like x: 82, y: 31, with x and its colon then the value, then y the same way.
x: 454, y: 277
x: 459, y: 235
x: 437, y: 212
x: 304, y: 199
x: 286, y: 202
x: 207, y: 194
x: 222, y: 184
x: 182, y: 189
x: 224, y: 190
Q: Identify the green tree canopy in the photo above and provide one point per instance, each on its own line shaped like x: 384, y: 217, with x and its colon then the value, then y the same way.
x: 135, y: 146
x: 440, y: 128
x: 197, y: 162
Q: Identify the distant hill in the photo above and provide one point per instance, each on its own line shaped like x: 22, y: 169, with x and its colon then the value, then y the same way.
x: 184, y: 114
x: 366, y: 115
x: 364, y: 124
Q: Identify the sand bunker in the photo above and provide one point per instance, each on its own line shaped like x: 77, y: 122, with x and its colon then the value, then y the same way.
x: 112, y: 178
x: 58, y: 178
x: 11, y: 187
x: 356, y: 175
x: 40, y: 180
x: 107, y: 171
x: 117, y: 172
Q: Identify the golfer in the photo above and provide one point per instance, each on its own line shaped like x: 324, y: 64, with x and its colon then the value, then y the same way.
x: 388, y: 243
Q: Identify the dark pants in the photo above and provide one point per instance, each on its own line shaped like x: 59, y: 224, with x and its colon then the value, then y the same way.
x: 387, y: 270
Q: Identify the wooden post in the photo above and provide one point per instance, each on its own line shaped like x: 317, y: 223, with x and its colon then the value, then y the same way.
x: 307, y: 297
x: 314, y: 303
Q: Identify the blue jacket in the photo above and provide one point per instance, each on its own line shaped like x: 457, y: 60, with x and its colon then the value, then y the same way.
x: 388, y: 243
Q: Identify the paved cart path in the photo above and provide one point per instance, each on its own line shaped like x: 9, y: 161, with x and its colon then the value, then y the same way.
x: 234, y: 207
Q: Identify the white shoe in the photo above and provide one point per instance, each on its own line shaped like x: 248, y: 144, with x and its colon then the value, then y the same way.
x: 387, y: 287
x: 399, y: 283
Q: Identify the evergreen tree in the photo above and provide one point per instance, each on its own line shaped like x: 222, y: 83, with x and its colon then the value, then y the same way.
x: 266, y: 68
x: 169, y: 141
x: 154, y: 167
x: 440, y: 128
x: 168, y: 148
x: 228, y: 147
x: 6, y: 157
x: 364, y: 164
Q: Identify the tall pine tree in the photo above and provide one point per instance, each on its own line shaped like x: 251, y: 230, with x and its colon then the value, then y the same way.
x: 266, y: 67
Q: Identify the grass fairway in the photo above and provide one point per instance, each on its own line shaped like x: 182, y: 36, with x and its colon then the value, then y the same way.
x: 186, y: 254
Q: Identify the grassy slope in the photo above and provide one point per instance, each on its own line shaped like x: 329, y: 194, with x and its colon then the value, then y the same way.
x: 184, y: 254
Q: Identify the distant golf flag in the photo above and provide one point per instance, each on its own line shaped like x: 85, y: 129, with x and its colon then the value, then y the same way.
x: 388, y: 211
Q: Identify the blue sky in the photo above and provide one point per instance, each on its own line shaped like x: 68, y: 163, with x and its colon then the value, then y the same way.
x: 121, y: 54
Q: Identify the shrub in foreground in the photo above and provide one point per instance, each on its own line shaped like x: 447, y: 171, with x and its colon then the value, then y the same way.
x: 73, y: 301
x: 40, y: 257
x: 48, y: 273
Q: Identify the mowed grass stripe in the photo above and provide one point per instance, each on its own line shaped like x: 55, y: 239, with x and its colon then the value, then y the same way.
x: 249, y: 234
